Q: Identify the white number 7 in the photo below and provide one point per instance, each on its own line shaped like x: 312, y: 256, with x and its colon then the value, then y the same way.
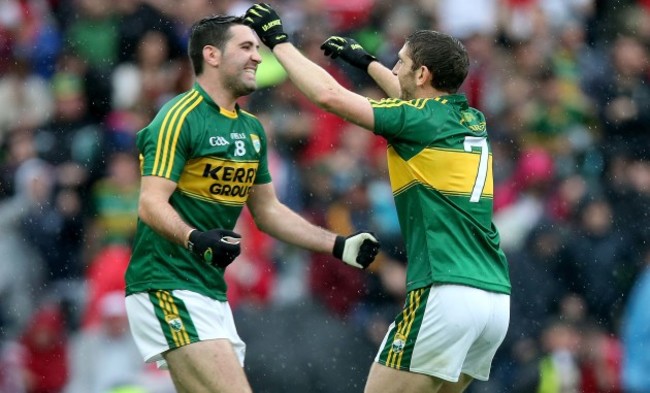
x: 481, y: 175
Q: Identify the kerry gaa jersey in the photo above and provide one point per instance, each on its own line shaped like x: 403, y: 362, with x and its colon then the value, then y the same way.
x: 440, y: 167
x: 214, y: 156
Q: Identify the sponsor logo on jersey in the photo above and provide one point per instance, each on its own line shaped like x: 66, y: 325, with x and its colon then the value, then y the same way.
x: 215, y: 179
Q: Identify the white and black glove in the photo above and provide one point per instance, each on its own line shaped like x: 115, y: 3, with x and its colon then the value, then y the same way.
x: 218, y: 247
x: 358, y: 250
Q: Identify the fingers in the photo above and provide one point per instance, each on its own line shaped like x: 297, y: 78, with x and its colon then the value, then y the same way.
x: 331, y: 49
x: 368, y: 249
x: 367, y: 252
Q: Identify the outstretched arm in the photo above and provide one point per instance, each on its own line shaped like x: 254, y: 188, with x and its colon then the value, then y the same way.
x: 319, y: 86
x: 350, y: 51
x: 384, y: 78
x: 322, y: 89
x: 276, y: 219
x: 273, y: 217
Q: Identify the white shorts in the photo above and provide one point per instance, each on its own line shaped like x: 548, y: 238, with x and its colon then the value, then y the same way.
x: 447, y: 330
x: 164, y: 320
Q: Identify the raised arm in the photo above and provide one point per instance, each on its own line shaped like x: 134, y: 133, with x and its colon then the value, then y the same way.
x: 384, y: 78
x: 354, y: 54
x: 319, y: 86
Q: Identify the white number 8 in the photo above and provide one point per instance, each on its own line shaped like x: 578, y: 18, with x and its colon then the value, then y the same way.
x: 240, y: 148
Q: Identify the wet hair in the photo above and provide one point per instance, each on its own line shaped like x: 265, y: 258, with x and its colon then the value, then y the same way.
x: 444, y: 55
x: 213, y: 30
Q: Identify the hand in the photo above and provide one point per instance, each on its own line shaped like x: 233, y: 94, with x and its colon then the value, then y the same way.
x: 358, y: 250
x: 266, y: 23
x: 218, y: 247
x: 349, y: 50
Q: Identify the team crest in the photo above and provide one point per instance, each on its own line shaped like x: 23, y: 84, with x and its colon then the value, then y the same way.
x: 257, y: 145
x: 399, y: 342
x: 174, y: 322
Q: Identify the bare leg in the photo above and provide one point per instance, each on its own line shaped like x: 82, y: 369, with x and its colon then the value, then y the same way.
x: 457, y: 387
x: 207, y: 367
x: 384, y: 379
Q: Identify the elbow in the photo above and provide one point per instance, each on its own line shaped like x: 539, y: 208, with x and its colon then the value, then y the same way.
x: 143, y: 212
x: 328, y: 99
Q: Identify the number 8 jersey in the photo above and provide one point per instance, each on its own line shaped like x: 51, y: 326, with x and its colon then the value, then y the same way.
x: 215, y: 156
x: 440, y: 167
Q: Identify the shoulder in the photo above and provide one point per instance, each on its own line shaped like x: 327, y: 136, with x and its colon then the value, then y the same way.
x: 183, y: 101
x: 179, y: 109
x: 250, y: 118
x: 417, y: 103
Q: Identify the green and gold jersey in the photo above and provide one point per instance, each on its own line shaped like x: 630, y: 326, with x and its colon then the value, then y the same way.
x: 440, y: 167
x: 214, y: 156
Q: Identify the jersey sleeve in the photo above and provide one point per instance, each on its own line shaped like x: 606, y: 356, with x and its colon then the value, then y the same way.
x: 165, y: 144
x: 396, y: 119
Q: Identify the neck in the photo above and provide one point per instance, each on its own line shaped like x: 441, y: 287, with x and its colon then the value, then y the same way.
x: 218, y: 93
x: 433, y: 93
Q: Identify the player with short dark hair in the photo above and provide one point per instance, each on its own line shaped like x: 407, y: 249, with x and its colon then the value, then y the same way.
x: 202, y: 159
x: 457, y: 308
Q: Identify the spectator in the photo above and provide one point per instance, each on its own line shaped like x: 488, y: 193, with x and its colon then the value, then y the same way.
x: 635, y: 334
x: 104, y: 275
x: 520, y: 202
x: 25, y: 98
x: 93, y: 33
x: 45, y: 342
x: 22, y: 267
x: 150, y: 79
x: 105, y: 357
x: 595, y: 261
x: 114, y: 201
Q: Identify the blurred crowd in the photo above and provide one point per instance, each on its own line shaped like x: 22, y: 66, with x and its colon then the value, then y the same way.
x: 563, y: 84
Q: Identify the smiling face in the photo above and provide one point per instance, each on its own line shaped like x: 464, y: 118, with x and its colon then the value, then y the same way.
x: 239, y: 60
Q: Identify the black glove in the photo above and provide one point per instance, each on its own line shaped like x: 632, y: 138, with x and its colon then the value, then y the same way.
x: 218, y: 247
x: 349, y: 50
x: 358, y: 250
x: 266, y: 23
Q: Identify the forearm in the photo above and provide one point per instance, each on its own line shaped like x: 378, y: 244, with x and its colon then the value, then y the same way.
x: 322, y: 89
x: 284, y: 224
x: 164, y: 219
x: 316, y: 83
x: 384, y: 78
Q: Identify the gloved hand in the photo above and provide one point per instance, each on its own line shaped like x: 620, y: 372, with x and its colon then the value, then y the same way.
x: 266, y: 23
x: 218, y: 247
x: 358, y: 250
x: 349, y: 50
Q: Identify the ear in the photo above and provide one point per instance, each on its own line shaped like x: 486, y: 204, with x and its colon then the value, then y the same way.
x: 423, y: 76
x: 212, y: 55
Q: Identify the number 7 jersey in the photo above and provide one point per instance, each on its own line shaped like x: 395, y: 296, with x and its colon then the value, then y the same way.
x: 440, y: 167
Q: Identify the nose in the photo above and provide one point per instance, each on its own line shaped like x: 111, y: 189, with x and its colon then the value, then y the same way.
x: 256, y: 57
x: 395, y: 69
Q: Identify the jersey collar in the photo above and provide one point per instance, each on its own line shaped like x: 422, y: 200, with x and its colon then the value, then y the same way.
x: 454, y: 99
x: 230, y: 114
